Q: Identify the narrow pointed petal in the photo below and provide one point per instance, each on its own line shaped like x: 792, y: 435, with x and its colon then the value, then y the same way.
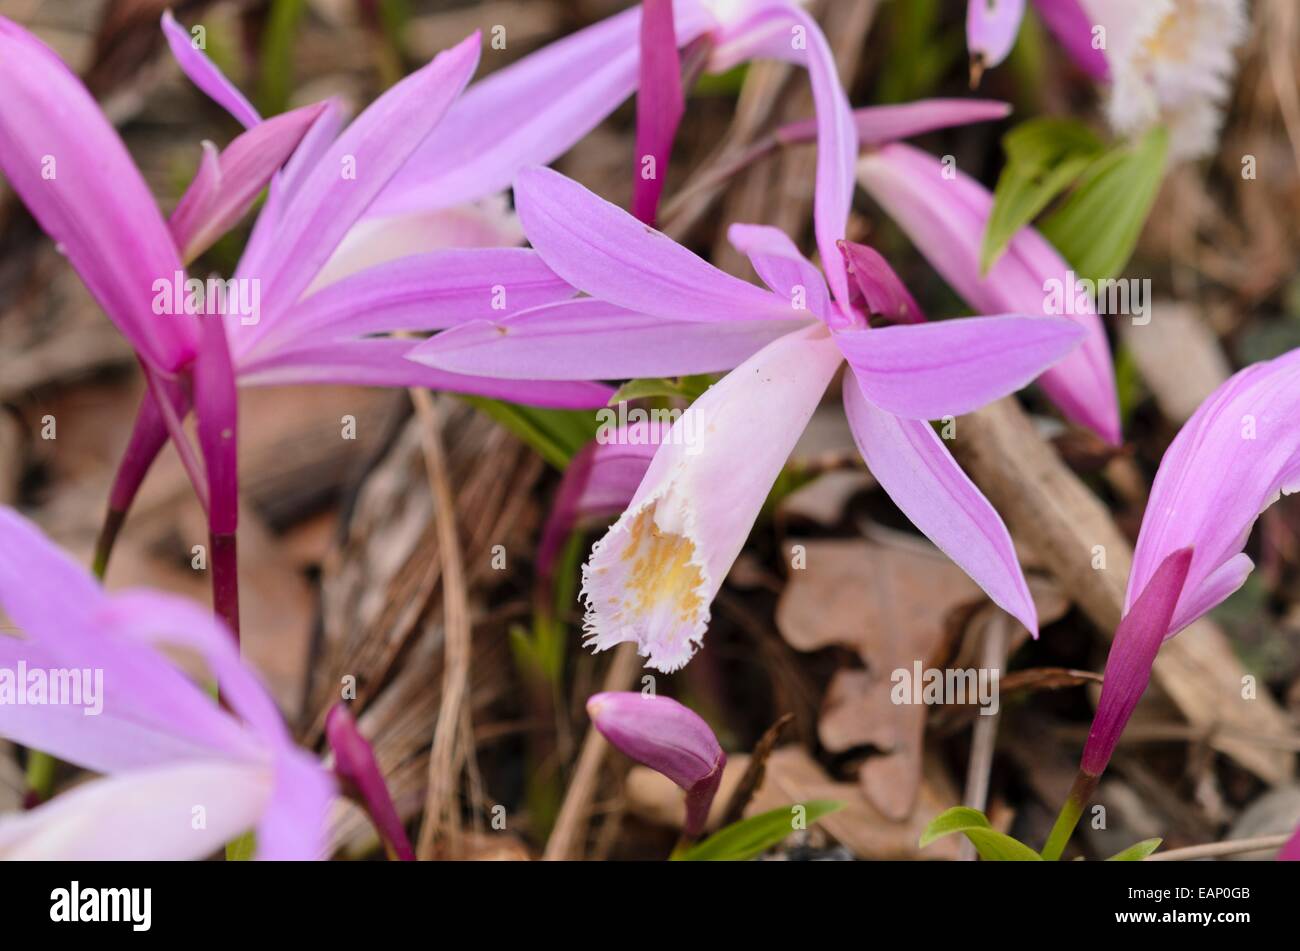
x: 496, y: 128
x: 601, y: 249
x: 353, y: 170
x: 877, y: 125
x: 599, y: 482
x: 227, y: 184
x: 1234, y: 458
x: 659, y: 106
x: 928, y: 371
x: 669, y: 738
x: 424, y: 292
x: 383, y: 362
x: 911, y: 463
x: 787, y: 272
x: 204, y: 74
x: 1072, y: 26
x: 991, y: 28
x: 70, y: 168
x: 488, y: 223
x: 946, y: 218
x: 1132, y: 652
x: 651, y: 579
x: 587, y: 339
x: 142, y: 815
x: 294, y: 823
x: 791, y: 34
x: 356, y: 766
x: 875, y: 287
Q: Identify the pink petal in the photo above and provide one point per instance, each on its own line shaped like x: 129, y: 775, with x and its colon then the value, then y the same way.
x: 147, y: 814
x: 1133, y: 651
x: 928, y: 371
x: 422, y: 292
x: 782, y: 268
x: 601, y: 249
x: 587, y: 339
x: 294, y: 823
x: 651, y: 579
x: 946, y: 218
x: 1072, y: 27
x: 877, y: 125
x: 488, y: 223
x: 991, y: 28
x: 203, y: 73
x: 659, y: 106
x: 383, y: 362
x: 1291, y: 851
x: 882, y: 292
x: 790, y: 33
x: 227, y: 185
x: 497, y: 128
x: 72, y: 171
x: 335, y: 192
x: 1231, y: 460
x: 911, y: 463
x: 599, y: 482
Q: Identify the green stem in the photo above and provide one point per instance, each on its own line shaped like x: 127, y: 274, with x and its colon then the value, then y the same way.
x: 1085, y: 784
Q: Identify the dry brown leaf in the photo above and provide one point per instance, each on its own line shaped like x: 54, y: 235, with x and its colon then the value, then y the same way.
x: 1179, y: 357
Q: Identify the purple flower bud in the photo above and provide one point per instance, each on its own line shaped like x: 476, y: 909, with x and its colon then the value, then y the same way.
x: 359, y: 775
x: 1128, y: 668
x: 661, y: 733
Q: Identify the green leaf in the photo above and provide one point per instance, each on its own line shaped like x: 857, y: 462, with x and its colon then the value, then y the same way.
x: 1097, y: 227
x: 747, y: 838
x: 1044, y: 157
x: 556, y: 434
x: 243, y: 848
x: 686, y: 388
x: 1136, y: 852
x: 992, y: 845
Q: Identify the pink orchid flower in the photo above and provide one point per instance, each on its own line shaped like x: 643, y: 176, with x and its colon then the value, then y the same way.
x: 81, y: 185
x: 658, y: 310
x: 359, y: 774
x: 945, y: 213
x: 992, y: 26
x: 182, y: 774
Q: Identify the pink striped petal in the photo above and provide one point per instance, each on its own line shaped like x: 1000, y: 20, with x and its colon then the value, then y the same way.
x: 601, y: 249
x: 73, y: 173
x: 928, y: 371
x: 587, y: 339
x: 227, y: 184
x: 946, y: 218
x: 1237, y: 454
x: 203, y: 73
x: 651, y: 579
x: 991, y: 28
x: 912, y: 464
x: 383, y: 362
x: 1133, y: 651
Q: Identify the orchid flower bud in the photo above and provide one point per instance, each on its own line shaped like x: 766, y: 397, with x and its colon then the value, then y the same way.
x: 669, y: 738
x: 359, y: 775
